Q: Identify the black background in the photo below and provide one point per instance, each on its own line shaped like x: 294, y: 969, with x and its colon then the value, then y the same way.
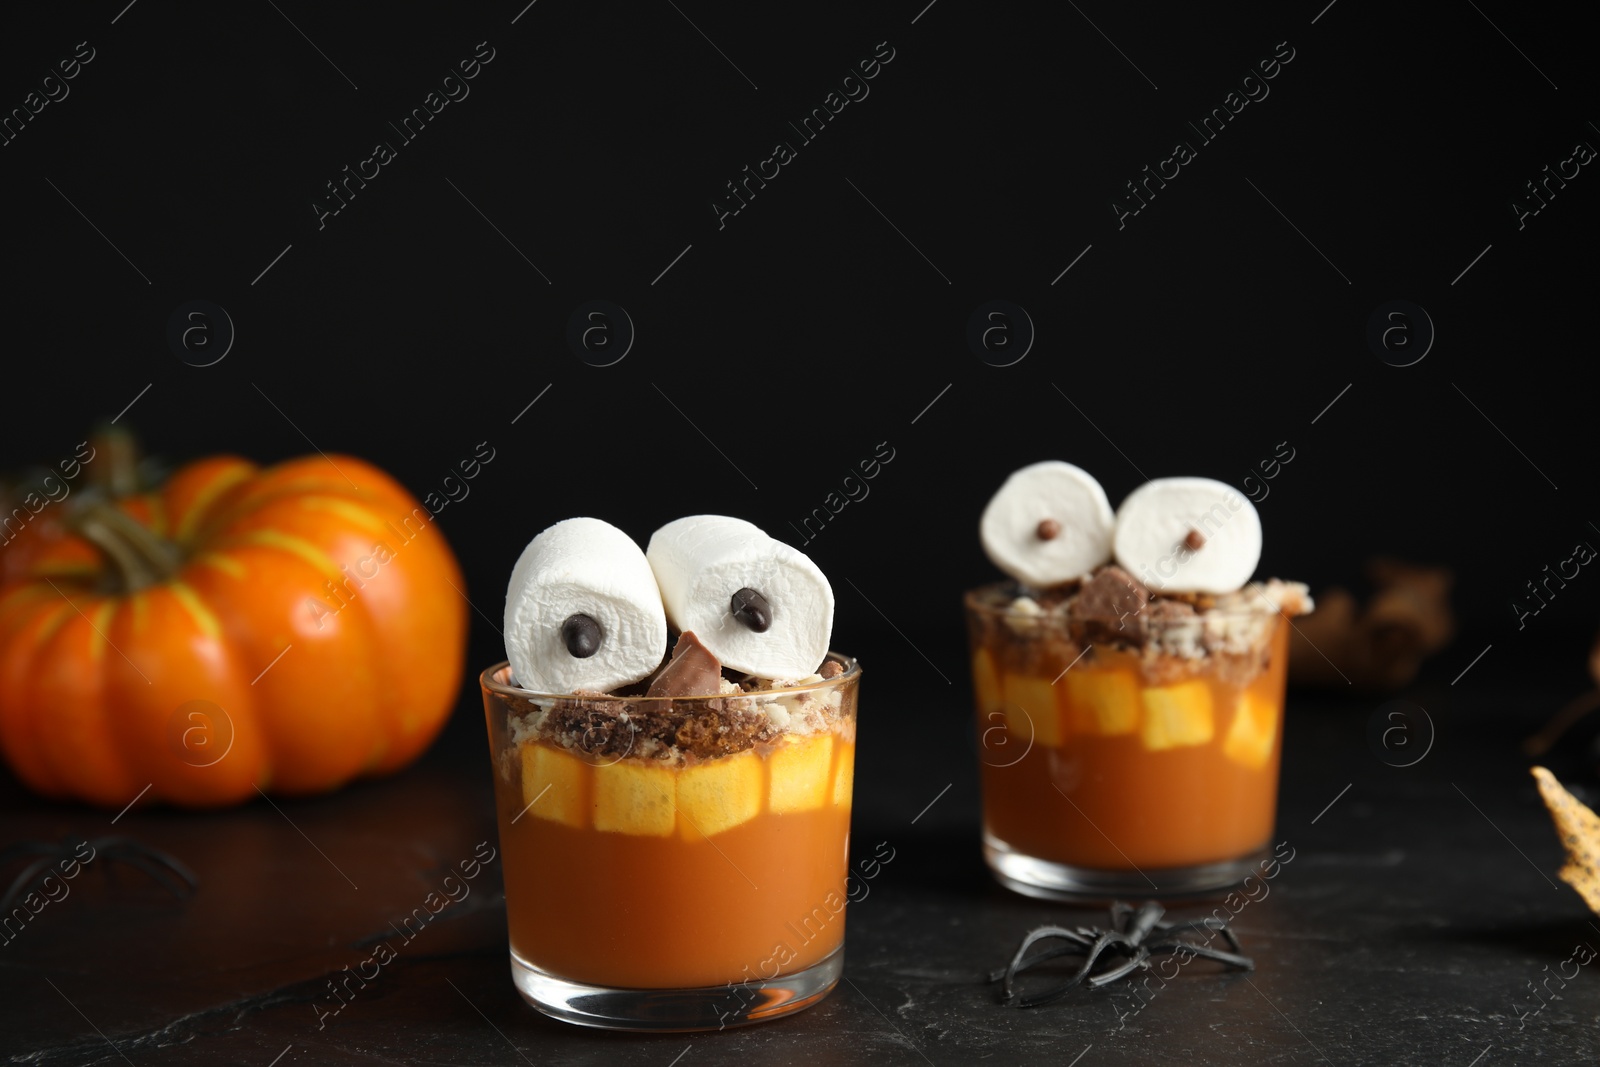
x: 779, y: 351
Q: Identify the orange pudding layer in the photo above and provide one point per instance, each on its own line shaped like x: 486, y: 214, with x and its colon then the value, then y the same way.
x: 1122, y: 772
x: 646, y: 875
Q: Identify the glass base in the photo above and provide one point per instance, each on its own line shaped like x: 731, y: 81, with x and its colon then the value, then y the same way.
x: 1048, y: 880
x: 669, y: 1010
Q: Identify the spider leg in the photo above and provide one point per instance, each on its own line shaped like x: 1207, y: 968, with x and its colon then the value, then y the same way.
x: 126, y: 850
x: 25, y: 879
x: 124, y: 847
x: 1060, y: 991
x: 1144, y: 919
x: 1047, y: 954
x: 1244, y: 963
x: 176, y: 866
x: 160, y: 875
x: 1038, y: 933
x: 1206, y: 952
x: 1134, y: 963
x: 1203, y: 926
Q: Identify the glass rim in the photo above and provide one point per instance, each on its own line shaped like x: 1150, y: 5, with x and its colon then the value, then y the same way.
x: 852, y: 672
x: 970, y: 600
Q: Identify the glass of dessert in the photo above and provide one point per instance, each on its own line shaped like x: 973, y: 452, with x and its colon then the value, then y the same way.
x: 675, y: 827
x: 1129, y: 683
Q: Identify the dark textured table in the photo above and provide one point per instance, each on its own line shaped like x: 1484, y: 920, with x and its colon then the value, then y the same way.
x: 1417, y: 913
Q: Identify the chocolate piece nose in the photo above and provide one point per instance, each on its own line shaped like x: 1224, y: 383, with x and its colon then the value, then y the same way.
x: 751, y: 609
x: 581, y: 635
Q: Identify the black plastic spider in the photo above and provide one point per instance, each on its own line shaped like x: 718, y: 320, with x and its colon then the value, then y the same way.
x: 165, y: 870
x: 1130, y: 933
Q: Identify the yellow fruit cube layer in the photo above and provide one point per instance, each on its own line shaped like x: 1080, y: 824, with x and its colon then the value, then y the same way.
x: 844, y: 776
x: 1255, y: 727
x: 634, y: 798
x: 800, y: 768
x: 1177, y: 715
x: 986, y: 683
x: 719, y: 794
x: 552, y: 783
x: 1102, y: 701
x: 1030, y: 706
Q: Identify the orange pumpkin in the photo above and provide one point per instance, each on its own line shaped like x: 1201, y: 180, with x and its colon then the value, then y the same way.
x: 286, y: 629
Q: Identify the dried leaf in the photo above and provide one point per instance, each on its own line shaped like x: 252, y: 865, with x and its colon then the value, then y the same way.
x: 1579, y: 829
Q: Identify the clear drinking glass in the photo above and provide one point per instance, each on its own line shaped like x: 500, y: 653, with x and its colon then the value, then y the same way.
x: 1134, y: 770
x: 674, y: 863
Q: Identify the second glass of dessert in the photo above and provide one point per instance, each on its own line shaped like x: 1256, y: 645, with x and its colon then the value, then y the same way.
x: 675, y: 827
x: 1129, y: 684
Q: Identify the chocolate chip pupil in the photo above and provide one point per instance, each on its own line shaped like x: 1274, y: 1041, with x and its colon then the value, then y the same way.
x: 581, y: 635
x: 751, y: 609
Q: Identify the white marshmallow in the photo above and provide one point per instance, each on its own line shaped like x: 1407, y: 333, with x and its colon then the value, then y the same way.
x: 1155, y: 519
x: 702, y: 560
x: 1051, y: 490
x: 583, y: 567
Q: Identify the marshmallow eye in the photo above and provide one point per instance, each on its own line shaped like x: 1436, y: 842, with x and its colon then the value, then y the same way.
x: 583, y: 611
x: 581, y: 636
x: 1188, y: 535
x: 728, y: 582
x: 1049, y: 523
x: 751, y: 610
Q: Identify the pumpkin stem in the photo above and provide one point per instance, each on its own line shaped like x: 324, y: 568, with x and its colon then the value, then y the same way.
x: 139, y: 557
x: 115, y: 467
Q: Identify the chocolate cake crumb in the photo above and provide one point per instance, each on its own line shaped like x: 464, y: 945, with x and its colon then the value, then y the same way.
x: 1177, y: 635
x: 1201, y: 602
x: 1109, y: 609
x: 712, y: 734
x: 749, y: 712
x: 1170, y: 611
x: 1175, y: 630
x: 620, y: 728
